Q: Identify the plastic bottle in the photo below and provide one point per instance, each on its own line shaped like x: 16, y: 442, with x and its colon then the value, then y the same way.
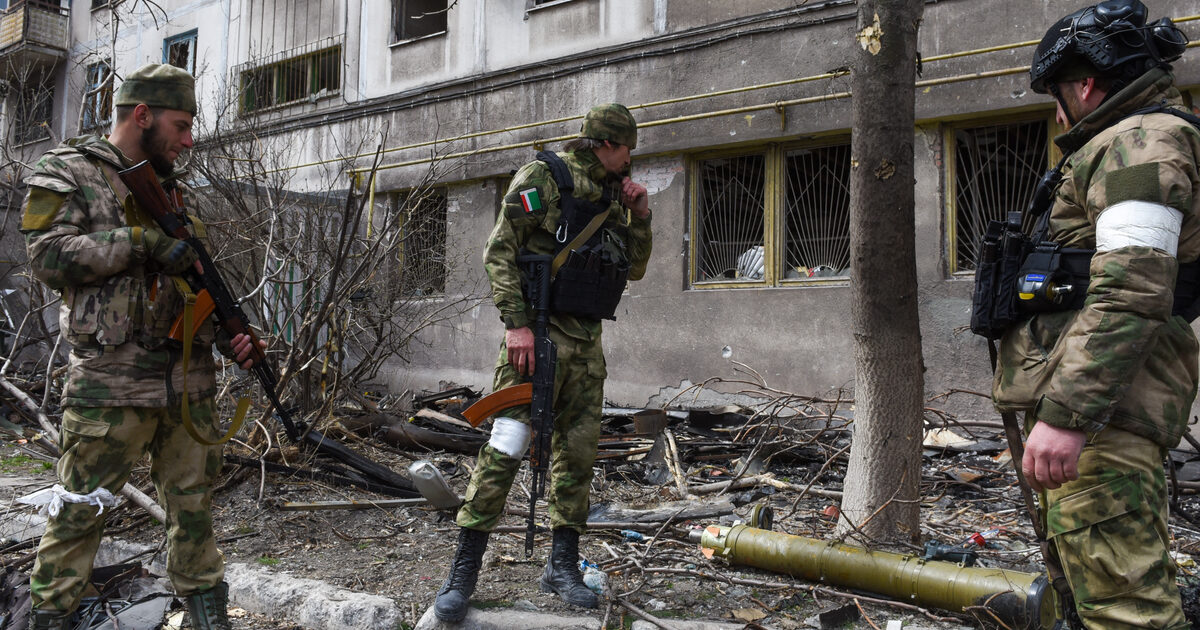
x: 593, y: 577
x: 982, y: 538
x: 429, y: 482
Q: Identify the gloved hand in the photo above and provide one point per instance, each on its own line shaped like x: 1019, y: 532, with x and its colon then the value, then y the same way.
x: 173, y: 255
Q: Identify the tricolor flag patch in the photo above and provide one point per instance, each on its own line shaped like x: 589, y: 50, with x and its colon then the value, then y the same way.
x: 530, y: 200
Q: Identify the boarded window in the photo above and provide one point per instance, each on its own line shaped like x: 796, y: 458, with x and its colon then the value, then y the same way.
x: 417, y: 18
x: 996, y: 168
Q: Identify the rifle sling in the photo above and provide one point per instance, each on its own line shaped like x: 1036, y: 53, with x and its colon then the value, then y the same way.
x: 580, y: 239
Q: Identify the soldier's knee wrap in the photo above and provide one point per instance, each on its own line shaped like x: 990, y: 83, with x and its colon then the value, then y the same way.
x: 510, y: 437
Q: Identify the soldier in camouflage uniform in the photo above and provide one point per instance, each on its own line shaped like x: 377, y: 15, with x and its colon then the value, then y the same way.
x: 125, y: 379
x: 598, y: 162
x: 1107, y: 388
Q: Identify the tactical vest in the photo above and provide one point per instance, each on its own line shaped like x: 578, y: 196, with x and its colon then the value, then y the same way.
x: 591, y: 278
x: 1017, y: 275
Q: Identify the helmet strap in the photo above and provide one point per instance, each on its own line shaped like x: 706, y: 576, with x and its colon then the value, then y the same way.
x: 1062, y: 102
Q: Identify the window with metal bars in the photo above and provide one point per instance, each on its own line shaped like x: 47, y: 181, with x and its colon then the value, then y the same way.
x: 772, y: 217
x: 996, y: 168
x: 418, y: 18
x: 35, y: 105
x: 97, y: 104
x: 421, y: 252
x: 309, y: 76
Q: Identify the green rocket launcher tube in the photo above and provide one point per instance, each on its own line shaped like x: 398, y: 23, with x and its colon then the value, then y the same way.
x: 1019, y: 600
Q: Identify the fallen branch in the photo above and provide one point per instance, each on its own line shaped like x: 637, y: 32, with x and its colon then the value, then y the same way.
x: 130, y: 492
x: 643, y: 615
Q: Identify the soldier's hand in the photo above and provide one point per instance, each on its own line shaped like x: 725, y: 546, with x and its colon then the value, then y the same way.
x: 1052, y: 456
x: 519, y: 342
x: 243, y: 350
x: 173, y: 255
x: 634, y: 197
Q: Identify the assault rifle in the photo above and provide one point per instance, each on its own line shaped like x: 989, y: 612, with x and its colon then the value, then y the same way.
x: 214, y: 298
x: 536, y: 278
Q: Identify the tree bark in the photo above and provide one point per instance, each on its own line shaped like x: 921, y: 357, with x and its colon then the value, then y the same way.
x: 882, y: 488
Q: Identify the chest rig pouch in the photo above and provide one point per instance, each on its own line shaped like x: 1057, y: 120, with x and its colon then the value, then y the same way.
x: 590, y: 265
x: 1017, y: 275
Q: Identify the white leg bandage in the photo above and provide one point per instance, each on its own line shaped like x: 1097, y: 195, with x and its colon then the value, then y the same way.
x: 1139, y: 223
x: 510, y: 437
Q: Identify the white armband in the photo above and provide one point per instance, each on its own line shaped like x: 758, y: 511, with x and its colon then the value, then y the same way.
x: 1139, y: 223
x: 510, y: 437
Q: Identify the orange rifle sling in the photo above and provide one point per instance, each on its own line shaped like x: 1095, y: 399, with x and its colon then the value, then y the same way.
x: 496, y: 402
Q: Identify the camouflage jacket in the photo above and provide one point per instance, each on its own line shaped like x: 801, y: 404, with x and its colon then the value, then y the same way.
x: 533, y: 230
x: 1123, y: 360
x: 116, y: 309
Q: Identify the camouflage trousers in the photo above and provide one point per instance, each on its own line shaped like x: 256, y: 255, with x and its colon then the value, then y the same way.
x: 578, y: 399
x: 100, y: 447
x: 1110, y: 530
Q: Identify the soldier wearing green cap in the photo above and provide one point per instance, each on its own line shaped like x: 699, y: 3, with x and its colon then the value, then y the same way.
x: 125, y: 377
x: 538, y: 205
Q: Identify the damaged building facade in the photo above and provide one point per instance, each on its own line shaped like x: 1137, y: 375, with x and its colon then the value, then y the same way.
x: 744, y: 114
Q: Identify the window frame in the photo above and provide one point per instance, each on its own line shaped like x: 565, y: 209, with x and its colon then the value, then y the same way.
x: 396, y: 12
x: 193, y: 36
x: 26, y: 115
x: 397, y: 203
x: 312, y: 60
x: 98, y: 107
x: 774, y: 215
x: 950, y: 172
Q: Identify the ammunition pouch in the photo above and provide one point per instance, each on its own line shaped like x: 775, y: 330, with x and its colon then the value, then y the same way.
x: 1017, y: 275
x: 592, y: 278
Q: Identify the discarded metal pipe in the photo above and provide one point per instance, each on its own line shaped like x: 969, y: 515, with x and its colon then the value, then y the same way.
x: 1019, y: 600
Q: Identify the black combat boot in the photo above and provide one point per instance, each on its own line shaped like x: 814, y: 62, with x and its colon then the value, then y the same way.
x: 49, y: 620
x: 210, y: 609
x: 451, y: 604
x: 562, y: 574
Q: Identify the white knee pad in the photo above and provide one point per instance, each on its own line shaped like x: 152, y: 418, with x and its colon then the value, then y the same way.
x: 510, y: 437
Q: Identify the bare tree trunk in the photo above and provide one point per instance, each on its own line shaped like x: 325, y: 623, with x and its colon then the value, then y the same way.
x: 882, y: 488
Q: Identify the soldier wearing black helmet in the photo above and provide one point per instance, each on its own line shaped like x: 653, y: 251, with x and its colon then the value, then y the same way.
x: 1107, y: 386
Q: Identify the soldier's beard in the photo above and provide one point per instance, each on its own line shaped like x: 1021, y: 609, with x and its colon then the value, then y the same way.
x: 154, y: 147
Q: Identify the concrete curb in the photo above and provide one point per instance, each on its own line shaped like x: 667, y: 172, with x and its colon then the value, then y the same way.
x: 508, y: 619
x: 309, y: 603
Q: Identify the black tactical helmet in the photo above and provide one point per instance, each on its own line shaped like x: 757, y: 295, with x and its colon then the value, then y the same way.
x: 1110, y: 39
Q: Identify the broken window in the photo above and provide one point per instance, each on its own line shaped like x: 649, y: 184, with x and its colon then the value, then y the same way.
x: 34, y: 108
x: 817, y: 213
x: 309, y: 76
x: 996, y: 168
x: 417, y: 18
x: 180, y: 51
x: 730, y: 209
x: 420, y: 260
x: 776, y: 216
x: 97, y: 104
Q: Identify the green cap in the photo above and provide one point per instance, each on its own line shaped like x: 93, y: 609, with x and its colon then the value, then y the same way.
x: 159, y: 85
x: 612, y: 122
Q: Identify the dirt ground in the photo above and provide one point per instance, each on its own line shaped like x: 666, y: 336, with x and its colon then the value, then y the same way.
x: 404, y: 553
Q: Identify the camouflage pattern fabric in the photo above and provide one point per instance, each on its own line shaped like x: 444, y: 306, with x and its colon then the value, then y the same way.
x: 159, y: 85
x: 1122, y: 360
x: 611, y: 122
x: 579, y: 378
x: 116, y: 310
x: 1122, y: 369
x: 1110, y: 528
x: 100, y: 447
x: 579, y: 397
x: 532, y: 228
